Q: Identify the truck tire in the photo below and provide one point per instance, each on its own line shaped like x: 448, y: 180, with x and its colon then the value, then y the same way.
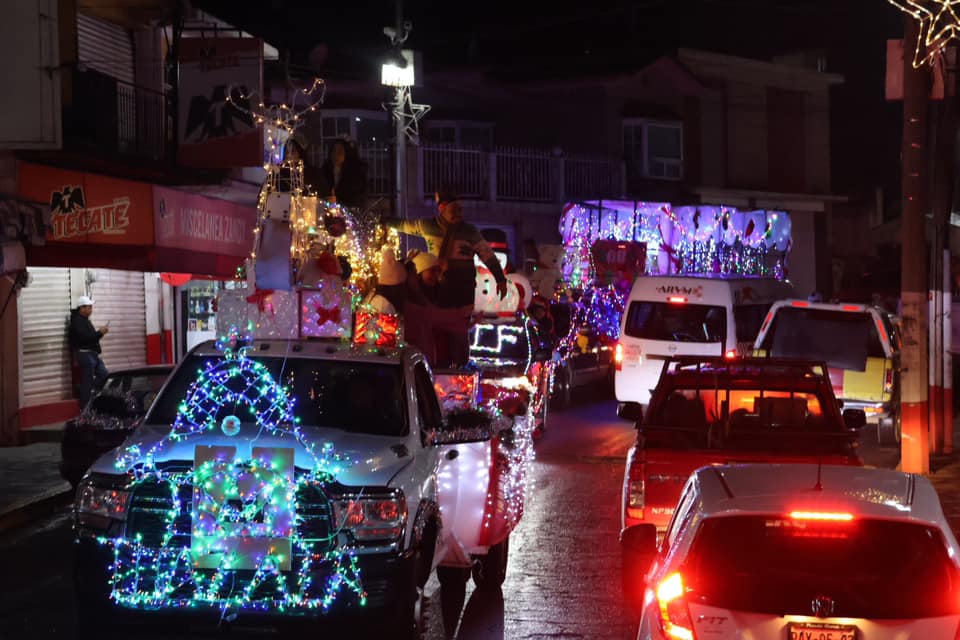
x: 490, y: 571
x: 888, y: 430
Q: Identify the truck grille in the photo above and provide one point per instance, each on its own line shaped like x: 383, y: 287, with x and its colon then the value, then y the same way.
x: 152, y: 504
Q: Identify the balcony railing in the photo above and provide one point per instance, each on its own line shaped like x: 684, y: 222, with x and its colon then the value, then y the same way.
x: 517, y: 174
x: 113, y: 116
x: 507, y: 173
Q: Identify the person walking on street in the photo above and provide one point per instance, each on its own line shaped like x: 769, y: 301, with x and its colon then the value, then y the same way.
x: 85, y: 342
x: 454, y: 243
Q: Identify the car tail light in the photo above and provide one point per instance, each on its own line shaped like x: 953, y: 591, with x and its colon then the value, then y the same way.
x: 676, y: 300
x: 618, y: 356
x: 888, y: 382
x: 674, y: 613
x: 635, y: 499
x: 373, y: 518
x: 850, y: 307
x: 823, y: 516
x: 730, y: 355
x: 800, y: 303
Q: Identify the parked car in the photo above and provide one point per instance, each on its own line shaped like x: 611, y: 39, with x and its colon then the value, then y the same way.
x: 860, y: 345
x: 111, y: 414
x: 707, y: 411
x: 240, y: 508
x: 770, y: 551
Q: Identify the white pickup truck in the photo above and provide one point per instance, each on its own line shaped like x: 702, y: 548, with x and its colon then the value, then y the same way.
x: 298, y: 480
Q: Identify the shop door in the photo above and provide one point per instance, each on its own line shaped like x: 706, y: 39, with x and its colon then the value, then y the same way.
x: 44, y: 315
x: 119, y: 299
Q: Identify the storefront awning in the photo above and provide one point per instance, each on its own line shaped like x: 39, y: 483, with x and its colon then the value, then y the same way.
x: 105, y: 222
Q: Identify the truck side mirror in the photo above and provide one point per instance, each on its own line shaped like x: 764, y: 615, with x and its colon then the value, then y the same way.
x: 854, y: 418
x: 631, y: 411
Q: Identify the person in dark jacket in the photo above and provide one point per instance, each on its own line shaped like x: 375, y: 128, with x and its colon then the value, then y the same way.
x: 343, y: 177
x: 85, y: 342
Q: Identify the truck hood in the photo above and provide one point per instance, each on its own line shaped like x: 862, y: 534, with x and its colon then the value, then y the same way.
x: 367, y: 460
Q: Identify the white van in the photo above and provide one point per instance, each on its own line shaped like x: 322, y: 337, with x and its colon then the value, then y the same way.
x: 669, y: 316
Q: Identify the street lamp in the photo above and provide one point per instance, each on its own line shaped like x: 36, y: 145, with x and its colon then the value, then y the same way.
x: 398, y: 70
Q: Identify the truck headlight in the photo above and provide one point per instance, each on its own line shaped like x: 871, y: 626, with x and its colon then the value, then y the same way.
x: 371, y: 518
x: 96, y: 506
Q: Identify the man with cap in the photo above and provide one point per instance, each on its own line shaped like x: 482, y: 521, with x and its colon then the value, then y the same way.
x: 454, y: 243
x: 85, y: 342
x: 426, y: 283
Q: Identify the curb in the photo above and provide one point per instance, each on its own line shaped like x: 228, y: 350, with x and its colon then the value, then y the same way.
x: 35, y: 507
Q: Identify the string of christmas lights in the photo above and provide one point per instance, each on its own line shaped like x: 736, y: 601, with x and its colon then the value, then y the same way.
x: 247, y: 521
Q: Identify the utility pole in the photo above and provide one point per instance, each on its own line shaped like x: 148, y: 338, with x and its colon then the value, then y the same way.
x: 915, y: 448
x: 400, y: 141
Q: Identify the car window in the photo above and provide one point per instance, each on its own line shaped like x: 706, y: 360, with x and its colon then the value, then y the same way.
x: 359, y: 397
x: 679, y: 519
x: 743, y: 414
x: 842, y: 339
x: 678, y: 322
x: 778, y: 565
x: 428, y: 406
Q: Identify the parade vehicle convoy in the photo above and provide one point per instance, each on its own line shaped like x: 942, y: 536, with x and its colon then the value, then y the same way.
x: 378, y: 506
x: 707, y: 411
x: 773, y: 552
x: 860, y: 345
x: 672, y: 316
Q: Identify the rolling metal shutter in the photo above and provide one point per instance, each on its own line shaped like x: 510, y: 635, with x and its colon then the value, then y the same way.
x: 44, y: 313
x: 118, y: 297
x: 106, y: 47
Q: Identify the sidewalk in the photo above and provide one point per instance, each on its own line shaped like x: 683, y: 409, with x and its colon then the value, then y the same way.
x: 30, y: 483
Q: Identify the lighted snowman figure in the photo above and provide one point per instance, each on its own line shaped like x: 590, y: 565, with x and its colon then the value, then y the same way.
x: 488, y: 302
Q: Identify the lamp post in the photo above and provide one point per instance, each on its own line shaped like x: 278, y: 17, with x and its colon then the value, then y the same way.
x: 398, y: 72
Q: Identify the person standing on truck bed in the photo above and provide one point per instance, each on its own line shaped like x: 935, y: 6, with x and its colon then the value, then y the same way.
x: 454, y: 242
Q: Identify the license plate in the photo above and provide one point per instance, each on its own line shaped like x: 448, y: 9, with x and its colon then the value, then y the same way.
x: 824, y: 631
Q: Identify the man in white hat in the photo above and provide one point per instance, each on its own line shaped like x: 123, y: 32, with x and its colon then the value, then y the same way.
x: 85, y: 342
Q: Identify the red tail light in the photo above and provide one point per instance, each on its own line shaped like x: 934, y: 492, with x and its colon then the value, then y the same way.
x: 888, y: 382
x: 826, y: 516
x: 800, y: 303
x: 730, y: 355
x: 676, y: 300
x: 674, y: 612
x: 618, y: 356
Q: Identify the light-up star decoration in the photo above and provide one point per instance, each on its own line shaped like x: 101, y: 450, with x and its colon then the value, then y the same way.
x: 407, y: 112
x: 233, y: 535
x: 939, y: 23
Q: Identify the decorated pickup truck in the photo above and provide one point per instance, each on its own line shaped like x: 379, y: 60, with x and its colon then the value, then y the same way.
x: 719, y: 411
x: 288, y: 478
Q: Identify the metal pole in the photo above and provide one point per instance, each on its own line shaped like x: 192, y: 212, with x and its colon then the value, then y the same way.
x: 400, y: 142
x: 915, y: 448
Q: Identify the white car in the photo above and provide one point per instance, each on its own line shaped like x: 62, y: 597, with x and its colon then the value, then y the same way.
x: 791, y: 552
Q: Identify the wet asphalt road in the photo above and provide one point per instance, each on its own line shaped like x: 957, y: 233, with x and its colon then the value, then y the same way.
x: 563, y: 573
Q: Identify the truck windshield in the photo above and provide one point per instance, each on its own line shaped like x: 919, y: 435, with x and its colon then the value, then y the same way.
x: 676, y: 322
x: 778, y: 565
x: 359, y: 397
x: 745, y: 415
x: 842, y: 339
